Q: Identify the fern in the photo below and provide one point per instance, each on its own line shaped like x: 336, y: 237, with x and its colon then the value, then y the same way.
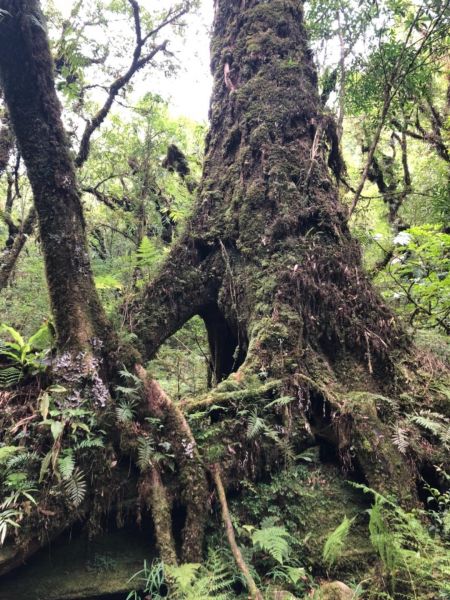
x: 75, y: 487
x: 211, y: 581
x: 273, y: 539
x: 400, y: 438
x: 125, y: 411
x: 283, y: 401
x: 10, y: 376
x: 145, y: 453
x: 410, y: 556
x: 255, y: 425
x: 88, y: 443
x: 336, y: 541
x: 6, y: 452
x: 149, y: 253
x: 22, y: 460
x: 435, y: 423
x: 66, y: 467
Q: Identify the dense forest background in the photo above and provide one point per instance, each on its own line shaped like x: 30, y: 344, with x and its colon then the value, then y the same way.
x: 381, y: 128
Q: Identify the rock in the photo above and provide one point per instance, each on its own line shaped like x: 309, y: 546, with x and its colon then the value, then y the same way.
x: 335, y: 590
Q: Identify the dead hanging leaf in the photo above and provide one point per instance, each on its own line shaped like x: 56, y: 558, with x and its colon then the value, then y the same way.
x: 44, y: 405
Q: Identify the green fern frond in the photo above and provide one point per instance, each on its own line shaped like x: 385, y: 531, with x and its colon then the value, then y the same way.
x: 146, y: 452
x: 75, y: 487
x: 89, y: 443
x: 125, y: 411
x: 22, y: 460
x: 275, y: 540
x: 283, y: 401
x: 127, y: 375
x: 336, y: 541
x: 66, y: 467
x: 10, y: 376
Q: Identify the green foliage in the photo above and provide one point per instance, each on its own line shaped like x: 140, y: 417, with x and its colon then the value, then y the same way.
x: 418, y: 276
x: 435, y: 423
x: 412, y: 559
x: 8, y: 519
x: 125, y: 410
x: 212, y: 580
x: 336, y: 541
x: 75, y: 487
x: 273, y: 539
x: 25, y: 357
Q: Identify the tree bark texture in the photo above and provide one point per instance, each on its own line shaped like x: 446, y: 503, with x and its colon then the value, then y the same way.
x: 26, y: 72
x: 267, y: 259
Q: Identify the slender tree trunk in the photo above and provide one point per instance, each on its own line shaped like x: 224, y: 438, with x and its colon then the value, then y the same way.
x: 9, y: 256
x: 6, y: 142
x: 26, y: 72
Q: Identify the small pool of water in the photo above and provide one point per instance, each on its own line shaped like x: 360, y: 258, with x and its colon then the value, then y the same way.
x: 81, y: 569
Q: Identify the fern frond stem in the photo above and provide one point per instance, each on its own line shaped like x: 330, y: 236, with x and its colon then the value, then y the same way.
x: 252, y: 587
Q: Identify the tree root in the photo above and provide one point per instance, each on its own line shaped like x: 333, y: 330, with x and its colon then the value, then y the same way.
x: 152, y: 490
x: 194, y: 485
x: 252, y: 587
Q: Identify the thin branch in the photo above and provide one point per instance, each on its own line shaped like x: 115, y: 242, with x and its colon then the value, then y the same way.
x: 237, y: 554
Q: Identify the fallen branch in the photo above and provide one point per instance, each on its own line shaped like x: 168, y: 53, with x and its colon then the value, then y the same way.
x: 237, y: 554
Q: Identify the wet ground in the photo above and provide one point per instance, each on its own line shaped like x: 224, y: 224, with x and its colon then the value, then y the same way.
x: 75, y: 568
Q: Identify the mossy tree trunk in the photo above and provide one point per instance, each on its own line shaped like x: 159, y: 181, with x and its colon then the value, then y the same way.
x: 89, y: 356
x: 26, y: 71
x: 268, y: 260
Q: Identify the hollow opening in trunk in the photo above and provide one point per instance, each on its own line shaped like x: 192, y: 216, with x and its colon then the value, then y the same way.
x: 182, y: 364
x: 227, y: 346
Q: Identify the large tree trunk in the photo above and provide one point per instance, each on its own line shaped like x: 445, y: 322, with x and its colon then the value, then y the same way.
x: 268, y: 260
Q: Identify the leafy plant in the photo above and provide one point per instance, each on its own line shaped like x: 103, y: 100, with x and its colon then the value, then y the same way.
x: 336, y: 541
x: 26, y: 356
x: 75, y: 487
x: 410, y: 556
x: 273, y: 539
x: 8, y: 518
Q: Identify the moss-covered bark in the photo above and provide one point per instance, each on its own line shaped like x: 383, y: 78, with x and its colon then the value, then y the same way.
x: 26, y: 72
x: 271, y: 265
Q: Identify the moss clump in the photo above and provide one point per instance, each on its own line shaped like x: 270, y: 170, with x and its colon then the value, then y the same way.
x: 311, y: 499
